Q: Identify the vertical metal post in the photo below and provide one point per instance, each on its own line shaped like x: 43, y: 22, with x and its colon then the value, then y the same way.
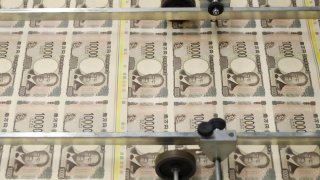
x: 175, y: 173
x: 217, y: 165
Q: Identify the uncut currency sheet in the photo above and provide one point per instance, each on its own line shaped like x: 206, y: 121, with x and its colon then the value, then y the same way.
x: 157, y: 76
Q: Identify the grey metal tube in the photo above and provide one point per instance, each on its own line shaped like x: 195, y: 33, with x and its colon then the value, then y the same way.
x: 217, y: 165
x: 165, y: 138
x: 158, y: 13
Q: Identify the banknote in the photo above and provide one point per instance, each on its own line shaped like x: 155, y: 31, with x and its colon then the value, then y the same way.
x: 227, y: 23
x: 93, y: 4
x: 12, y: 4
x: 147, y: 24
x: 86, y: 116
x: 188, y: 116
x: 147, y: 117
x: 35, y: 23
x: 4, y: 116
x: 240, y: 64
x: 36, y: 116
x: 288, y: 64
x: 295, y: 116
x: 43, y: 64
x: 300, y: 162
x: 89, y: 64
x: 251, y: 162
x: 148, y: 65
x: 30, y: 162
x: 280, y: 23
x: 193, y: 65
x: 246, y: 116
x: 82, y: 162
x: 10, y: 45
x: 141, y: 161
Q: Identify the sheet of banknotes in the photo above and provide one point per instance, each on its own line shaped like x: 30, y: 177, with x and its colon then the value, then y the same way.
x: 157, y: 76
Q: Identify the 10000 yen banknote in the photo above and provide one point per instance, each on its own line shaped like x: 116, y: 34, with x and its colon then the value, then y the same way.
x: 9, y: 4
x: 141, y: 161
x: 43, y: 64
x: 86, y: 116
x: 193, y: 65
x: 227, y: 23
x: 300, y: 162
x: 147, y: 117
x: 251, y: 162
x: 4, y: 115
x: 280, y: 23
x: 36, y: 116
x: 246, y: 116
x: 148, y: 65
x: 188, y: 116
x: 50, y: 4
x: 296, y: 116
x: 89, y: 64
x: 10, y: 45
x: 288, y: 64
x: 30, y: 162
x: 93, y: 4
x: 82, y: 162
x: 147, y: 24
x: 240, y: 64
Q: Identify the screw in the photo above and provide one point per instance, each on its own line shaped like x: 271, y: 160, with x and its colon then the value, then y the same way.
x: 215, y: 12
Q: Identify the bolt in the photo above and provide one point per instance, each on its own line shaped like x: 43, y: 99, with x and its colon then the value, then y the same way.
x: 215, y: 12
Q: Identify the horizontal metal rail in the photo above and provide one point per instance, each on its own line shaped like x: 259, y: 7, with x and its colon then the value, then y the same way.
x: 165, y: 138
x: 158, y: 13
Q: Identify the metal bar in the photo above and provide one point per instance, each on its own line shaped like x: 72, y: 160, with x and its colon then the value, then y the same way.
x: 130, y: 138
x: 158, y: 13
x: 165, y: 138
x: 280, y: 138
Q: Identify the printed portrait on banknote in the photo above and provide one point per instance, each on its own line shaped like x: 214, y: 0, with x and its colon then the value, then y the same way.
x: 89, y: 64
x: 296, y: 116
x: 188, y: 115
x: 246, y: 116
x: 141, y: 161
x: 86, y: 116
x: 147, y: 24
x: 82, y: 162
x: 280, y: 23
x: 36, y: 116
x: 288, y: 64
x: 10, y: 44
x: 10, y: 4
x: 240, y: 64
x: 193, y: 65
x: 93, y: 4
x: 229, y: 23
x: 300, y: 162
x: 43, y: 64
x: 148, y: 65
x: 30, y: 162
x: 147, y: 117
x: 36, y: 23
x: 251, y: 162
x: 4, y: 115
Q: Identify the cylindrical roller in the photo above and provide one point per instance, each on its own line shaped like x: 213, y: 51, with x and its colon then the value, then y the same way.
x: 169, y: 161
x: 178, y: 3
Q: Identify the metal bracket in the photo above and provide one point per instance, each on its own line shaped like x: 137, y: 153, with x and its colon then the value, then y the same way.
x: 219, y: 145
